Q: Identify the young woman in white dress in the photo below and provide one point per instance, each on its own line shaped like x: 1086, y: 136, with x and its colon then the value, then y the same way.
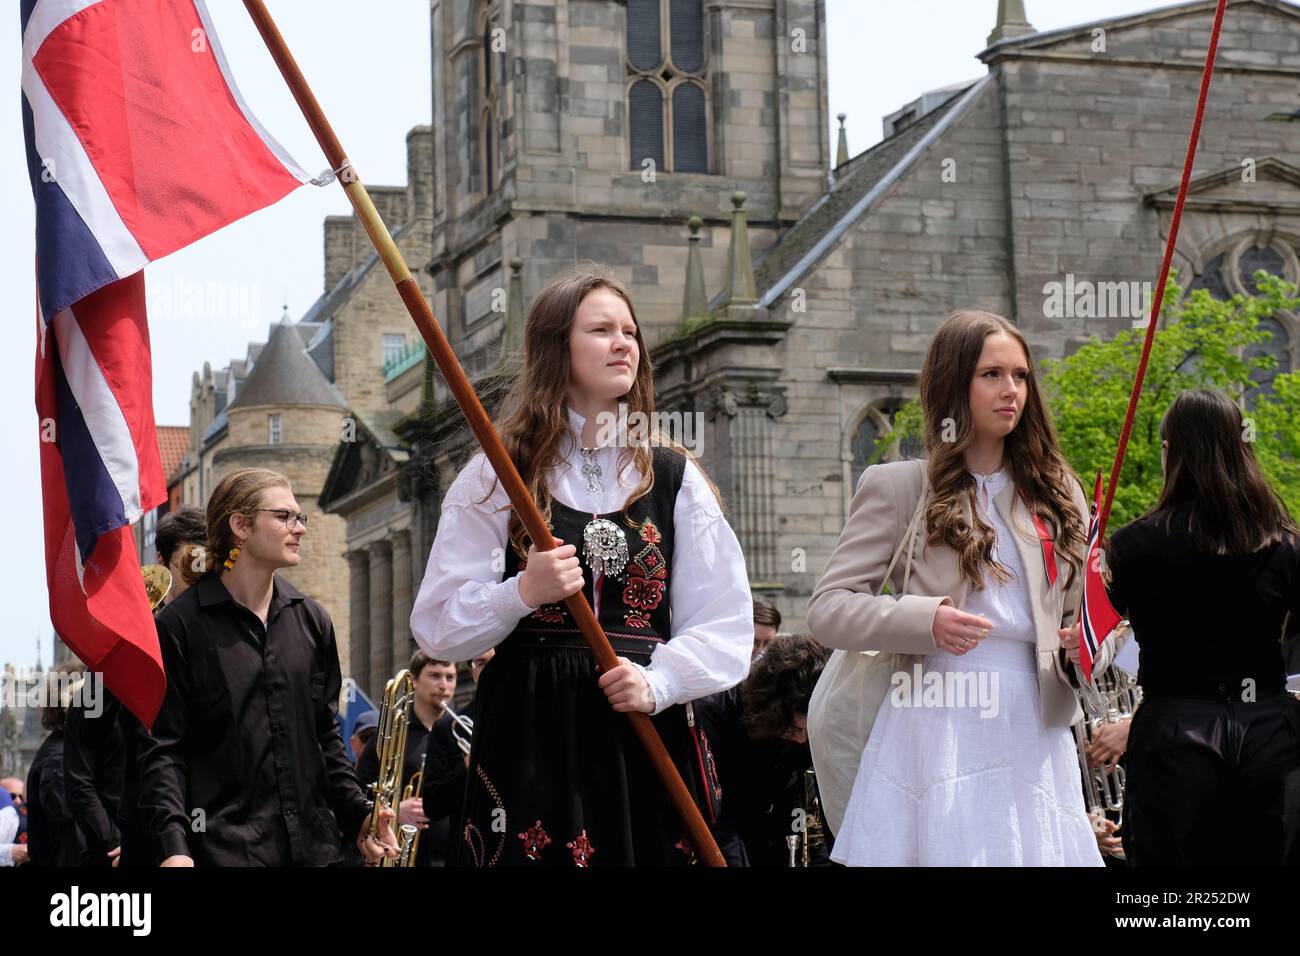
x: 975, y: 765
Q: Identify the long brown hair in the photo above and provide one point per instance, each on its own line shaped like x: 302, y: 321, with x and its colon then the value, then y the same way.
x: 534, y: 423
x: 1032, y: 453
x: 1214, y: 490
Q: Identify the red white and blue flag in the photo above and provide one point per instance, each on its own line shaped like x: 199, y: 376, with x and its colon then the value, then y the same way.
x: 1097, y: 617
x: 138, y: 144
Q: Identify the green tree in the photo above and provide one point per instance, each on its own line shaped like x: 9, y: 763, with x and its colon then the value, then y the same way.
x: 1202, y: 343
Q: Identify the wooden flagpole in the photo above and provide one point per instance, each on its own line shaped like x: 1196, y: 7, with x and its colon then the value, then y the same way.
x: 474, y: 412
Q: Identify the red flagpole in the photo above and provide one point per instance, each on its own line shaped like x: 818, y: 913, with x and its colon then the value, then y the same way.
x: 1158, y: 299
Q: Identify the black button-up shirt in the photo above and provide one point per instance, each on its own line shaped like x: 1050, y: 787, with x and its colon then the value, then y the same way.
x: 246, y: 765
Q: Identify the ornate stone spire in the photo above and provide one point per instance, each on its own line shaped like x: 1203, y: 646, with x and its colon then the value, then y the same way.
x: 695, y: 301
x: 842, y: 152
x: 512, y: 340
x: 739, y: 289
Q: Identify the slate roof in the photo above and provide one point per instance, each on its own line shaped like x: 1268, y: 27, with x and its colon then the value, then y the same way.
x: 854, y: 180
x: 284, y: 374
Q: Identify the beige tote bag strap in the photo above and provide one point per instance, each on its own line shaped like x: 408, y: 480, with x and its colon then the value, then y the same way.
x: 909, y: 541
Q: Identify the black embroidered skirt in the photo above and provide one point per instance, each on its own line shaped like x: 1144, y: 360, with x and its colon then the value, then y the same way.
x: 558, y: 778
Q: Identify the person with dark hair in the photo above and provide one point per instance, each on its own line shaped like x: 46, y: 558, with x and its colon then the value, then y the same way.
x: 435, y: 685
x: 180, y: 541
x: 52, y: 836
x: 363, y: 731
x: 445, y: 763
x: 767, y: 622
x: 1207, y: 579
x: 100, y: 763
x: 757, y: 734
x: 95, y: 767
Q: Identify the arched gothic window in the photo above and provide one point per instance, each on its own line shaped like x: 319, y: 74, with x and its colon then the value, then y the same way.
x: 863, y: 446
x: 1232, y: 272
x: 488, y: 95
x: 667, y: 93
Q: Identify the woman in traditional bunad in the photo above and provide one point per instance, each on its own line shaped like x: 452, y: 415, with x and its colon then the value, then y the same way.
x: 556, y: 776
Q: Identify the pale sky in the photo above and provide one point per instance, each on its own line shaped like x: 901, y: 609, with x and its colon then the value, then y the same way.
x: 371, y: 75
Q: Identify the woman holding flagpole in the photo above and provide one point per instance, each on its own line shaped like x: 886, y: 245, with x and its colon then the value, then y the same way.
x: 1207, y: 579
x: 556, y: 777
x: 970, y: 760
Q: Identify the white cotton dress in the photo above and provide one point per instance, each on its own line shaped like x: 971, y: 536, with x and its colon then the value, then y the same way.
x: 963, y: 783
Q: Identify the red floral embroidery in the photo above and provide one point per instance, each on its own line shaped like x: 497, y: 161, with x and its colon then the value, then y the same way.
x: 550, y: 613
x: 647, y: 577
x: 684, y: 844
x: 535, y: 841
x: 651, y: 563
x: 582, y: 849
x: 643, y: 593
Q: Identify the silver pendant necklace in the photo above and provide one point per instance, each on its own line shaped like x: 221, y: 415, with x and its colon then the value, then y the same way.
x: 591, y: 470
x: 604, y: 544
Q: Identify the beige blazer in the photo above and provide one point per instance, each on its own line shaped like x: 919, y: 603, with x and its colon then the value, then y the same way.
x: 847, y: 609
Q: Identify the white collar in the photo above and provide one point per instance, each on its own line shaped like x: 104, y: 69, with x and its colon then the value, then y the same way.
x: 576, y: 424
x: 992, y: 484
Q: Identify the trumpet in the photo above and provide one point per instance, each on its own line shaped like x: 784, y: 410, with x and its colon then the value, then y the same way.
x: 390, y: 747
x: 810, y: 834
x: 462, y: 729
x: 414, y: 787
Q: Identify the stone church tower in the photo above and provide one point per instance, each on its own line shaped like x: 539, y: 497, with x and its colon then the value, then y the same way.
x: 593, y: 129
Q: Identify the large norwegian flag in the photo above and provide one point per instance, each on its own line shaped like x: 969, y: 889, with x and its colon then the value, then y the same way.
x: 138, y: 143
x: 1097, y: 617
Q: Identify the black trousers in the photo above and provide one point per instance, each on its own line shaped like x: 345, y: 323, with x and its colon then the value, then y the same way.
x: 1213, y: 782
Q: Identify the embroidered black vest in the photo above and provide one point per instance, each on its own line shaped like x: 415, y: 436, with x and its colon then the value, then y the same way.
x: 632, y: 606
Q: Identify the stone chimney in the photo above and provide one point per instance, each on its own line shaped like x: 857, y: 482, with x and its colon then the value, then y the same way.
x: 346, y: 243
x: 419, y: 173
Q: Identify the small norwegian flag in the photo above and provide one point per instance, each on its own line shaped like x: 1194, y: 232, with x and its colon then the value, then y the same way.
x: 1096, y: 615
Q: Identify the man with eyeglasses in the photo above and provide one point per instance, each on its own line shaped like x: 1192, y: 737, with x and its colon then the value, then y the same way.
x: 246, y: 765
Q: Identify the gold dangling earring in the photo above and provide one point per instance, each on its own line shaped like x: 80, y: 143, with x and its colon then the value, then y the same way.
x: 230, y: 561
